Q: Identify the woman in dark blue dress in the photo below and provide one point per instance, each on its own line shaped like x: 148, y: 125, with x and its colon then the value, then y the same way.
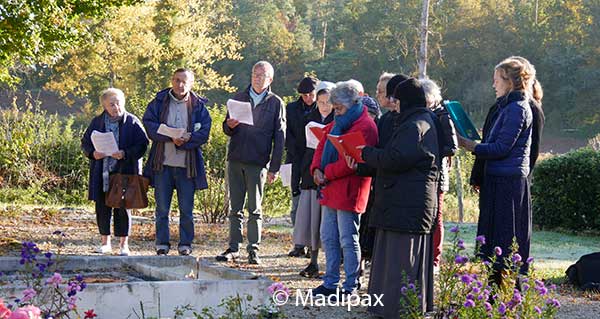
x: 505, y: 201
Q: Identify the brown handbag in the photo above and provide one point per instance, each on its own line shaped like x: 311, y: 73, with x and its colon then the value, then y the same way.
x: 127, y: 191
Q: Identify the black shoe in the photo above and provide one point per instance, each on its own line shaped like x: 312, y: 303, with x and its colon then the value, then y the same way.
x: 321, y: 290
x: 162, y: 252
x: 253, y: 258
x: 228, y: 255
x: 185, y: 252
x: 311, y: 271
x: 297, y: 252
x: 307, y: 253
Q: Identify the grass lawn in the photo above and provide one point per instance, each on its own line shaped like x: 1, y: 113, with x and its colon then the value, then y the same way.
x: 553, y: 251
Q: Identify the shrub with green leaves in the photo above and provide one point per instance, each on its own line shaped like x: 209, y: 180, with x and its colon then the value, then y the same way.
x: 41, y: 157
x: 566, y: 192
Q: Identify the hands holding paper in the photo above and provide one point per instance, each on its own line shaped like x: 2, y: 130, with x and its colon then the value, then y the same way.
x: 117, y: 155
x: 182, y: 140
x: 350, y: 161
x: 466, y: 143
x: 232, y: 123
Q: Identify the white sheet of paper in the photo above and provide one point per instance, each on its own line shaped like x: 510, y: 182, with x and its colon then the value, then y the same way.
x: 285, y: 171
x: 104, y: 143
x: 241, y: 111
x: 311, y: 140
x: 171, y: 132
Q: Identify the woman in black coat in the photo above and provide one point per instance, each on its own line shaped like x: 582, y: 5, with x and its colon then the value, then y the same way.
x: 404, y: 207
x: 132, y: 142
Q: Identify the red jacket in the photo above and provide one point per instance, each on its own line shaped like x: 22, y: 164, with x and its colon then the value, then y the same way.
x: 344, y: 189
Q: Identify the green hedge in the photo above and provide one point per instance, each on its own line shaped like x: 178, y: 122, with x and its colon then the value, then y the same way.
x: 566, y: 191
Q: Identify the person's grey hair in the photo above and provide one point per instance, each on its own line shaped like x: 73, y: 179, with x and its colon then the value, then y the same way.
x: 345, y: 93
x: 358, y: 85
x: 385, y: 77
x: 433, y: 93
x: 113, y: 92
x: 266, y: 66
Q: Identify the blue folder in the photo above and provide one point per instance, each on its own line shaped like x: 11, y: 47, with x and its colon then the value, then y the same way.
x: 462, y: 122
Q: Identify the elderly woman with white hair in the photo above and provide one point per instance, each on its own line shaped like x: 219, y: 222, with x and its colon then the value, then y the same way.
x: 343, y: 194
x: 433, y: 99
x: 132, y: 142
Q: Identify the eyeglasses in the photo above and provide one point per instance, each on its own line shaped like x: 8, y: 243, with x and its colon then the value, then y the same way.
x: 260, y: 76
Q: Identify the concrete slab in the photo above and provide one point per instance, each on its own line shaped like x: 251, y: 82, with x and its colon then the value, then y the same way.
x: 159, y: 283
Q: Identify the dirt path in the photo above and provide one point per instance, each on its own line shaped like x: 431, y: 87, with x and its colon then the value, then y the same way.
x: 80, y: 227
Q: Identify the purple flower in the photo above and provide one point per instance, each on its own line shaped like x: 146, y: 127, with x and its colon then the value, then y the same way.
x: 537, y: 309
x: 470, y: 297
x: 403, y: 290
x: 55, y: 280
x: 502, y: 308
x: 488, y: 306
x: 542, y: 290
x: 469, y: 303
x: 476, y: 290
x: 466, y: 279
x: 529, y: 260
x: 461, y: 259
x: 517, y: 299
x: 516, y: 258
x: 553, y: 302
x: 454, y: 229
x: 411, y: 287
x: 461, y: 244
x: 525, y: 287
x: 498, y: 251
x: 28, y: 294
x: 480, y: 239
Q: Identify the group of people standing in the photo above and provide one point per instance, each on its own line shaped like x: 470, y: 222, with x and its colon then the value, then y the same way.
x: 385, y: 208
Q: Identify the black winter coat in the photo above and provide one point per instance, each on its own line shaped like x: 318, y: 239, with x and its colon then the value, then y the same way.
x: 262, y: 142
x: 295, y: 142
x: 406, y: 183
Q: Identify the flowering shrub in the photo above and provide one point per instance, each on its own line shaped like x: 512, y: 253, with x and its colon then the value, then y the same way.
x: 466, y: 289
x: 55, y: 296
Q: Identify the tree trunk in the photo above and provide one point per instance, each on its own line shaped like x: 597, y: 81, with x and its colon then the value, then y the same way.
x: 324, y: 44
x: 424, y: 31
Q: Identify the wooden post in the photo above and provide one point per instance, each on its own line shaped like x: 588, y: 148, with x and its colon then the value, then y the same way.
x: 459, y: 188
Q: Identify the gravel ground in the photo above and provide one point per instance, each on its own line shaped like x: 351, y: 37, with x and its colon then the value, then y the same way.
x: 37, y: 225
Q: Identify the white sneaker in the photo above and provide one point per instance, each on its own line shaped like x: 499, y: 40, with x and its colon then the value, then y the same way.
x: 124, y: 251
x: 104, y: 249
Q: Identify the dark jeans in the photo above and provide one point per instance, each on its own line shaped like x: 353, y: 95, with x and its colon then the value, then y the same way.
x: 165, y: 182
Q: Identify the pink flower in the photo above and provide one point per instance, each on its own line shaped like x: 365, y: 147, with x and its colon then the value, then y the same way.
x: 498, y: 250
x: 28, y: 294
x: 4, y: 311
x: 27, y: 312
x: 72, y: 301
x: 55, y: 280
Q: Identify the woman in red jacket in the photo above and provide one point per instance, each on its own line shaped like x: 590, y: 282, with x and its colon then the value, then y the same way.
x: 343, y: 194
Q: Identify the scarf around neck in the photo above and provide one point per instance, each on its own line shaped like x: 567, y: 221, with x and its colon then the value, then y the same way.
x: 341, y: 124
